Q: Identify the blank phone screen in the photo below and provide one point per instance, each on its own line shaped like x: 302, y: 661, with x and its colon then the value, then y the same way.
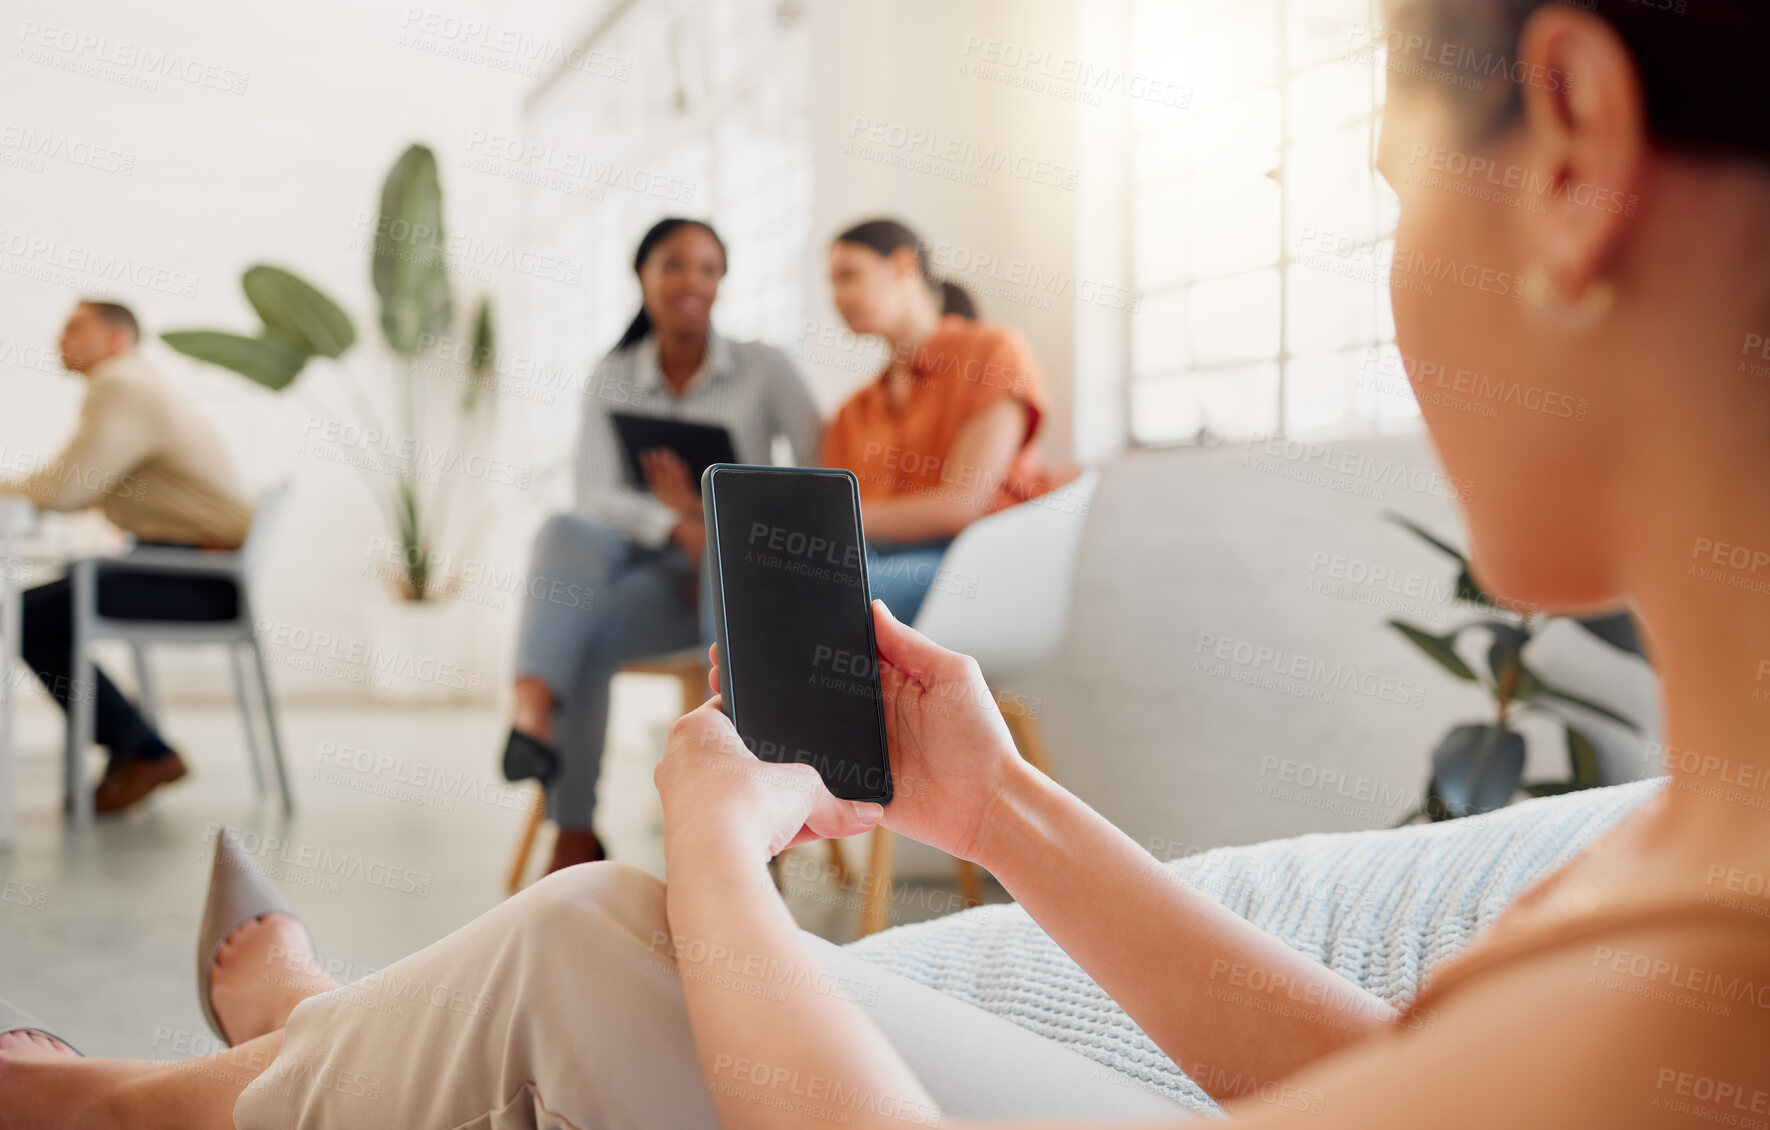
x: 798, y: 631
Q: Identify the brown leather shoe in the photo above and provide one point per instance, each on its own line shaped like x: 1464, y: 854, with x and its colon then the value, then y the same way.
x: 135, y: 779
x: 574, y: 846
x: 114, y: 768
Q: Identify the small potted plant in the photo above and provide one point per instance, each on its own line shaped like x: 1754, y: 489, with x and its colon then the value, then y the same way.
x: 412, y: 481
x: 1479, y: 766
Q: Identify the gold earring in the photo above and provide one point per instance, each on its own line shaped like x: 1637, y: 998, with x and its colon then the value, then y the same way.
x: 1550, y: 308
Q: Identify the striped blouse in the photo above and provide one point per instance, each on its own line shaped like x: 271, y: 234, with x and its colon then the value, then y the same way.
x: 749, y: 388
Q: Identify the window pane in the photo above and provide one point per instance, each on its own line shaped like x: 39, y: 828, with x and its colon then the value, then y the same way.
x: 1330, y: 311
x: 1234, y: 319
x: 1232, y: 224
x: 1158, y: 251
x: 1161, y: 154
x: 1244, y: 258
x: 1332, y: 188
x: 1158, y: 335
x: 1232, y: 403
x: 1327, y: 29
x: 1234, y: 51
x: 1328, y: 97
x: 1383, y: 393
x: 1239, y: 137
x: 1318, y: 395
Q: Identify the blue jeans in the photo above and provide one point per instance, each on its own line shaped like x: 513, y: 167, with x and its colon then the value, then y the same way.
x: 595, y: 602
x: 900, y: 573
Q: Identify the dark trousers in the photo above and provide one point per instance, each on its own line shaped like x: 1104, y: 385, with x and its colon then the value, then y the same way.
x: 47, y: 641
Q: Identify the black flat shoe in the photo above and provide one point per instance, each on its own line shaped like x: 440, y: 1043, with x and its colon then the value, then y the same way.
x: 526, y: 756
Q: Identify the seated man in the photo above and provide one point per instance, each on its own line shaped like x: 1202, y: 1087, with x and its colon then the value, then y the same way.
x: 159, y: 471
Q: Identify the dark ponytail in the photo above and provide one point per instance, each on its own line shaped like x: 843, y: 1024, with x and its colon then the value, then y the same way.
x: 886, y: 236
x: 954, y: 300
x: 641, y: 323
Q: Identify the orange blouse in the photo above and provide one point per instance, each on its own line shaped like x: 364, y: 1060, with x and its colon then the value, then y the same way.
x: 963, y: 369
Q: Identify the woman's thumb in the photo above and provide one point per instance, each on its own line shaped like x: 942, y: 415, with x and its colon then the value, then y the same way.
x: 834, y: 817
x: 893, y: 637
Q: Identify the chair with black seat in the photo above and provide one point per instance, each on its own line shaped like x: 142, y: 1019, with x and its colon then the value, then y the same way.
x: 239, y: 567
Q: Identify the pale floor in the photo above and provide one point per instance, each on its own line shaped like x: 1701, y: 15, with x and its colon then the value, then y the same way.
x: 403, y: 831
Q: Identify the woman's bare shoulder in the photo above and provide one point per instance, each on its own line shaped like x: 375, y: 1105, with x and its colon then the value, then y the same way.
x: 1661, y: 1024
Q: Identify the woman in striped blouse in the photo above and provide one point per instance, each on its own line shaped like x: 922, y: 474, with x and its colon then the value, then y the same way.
x: 618, y: 578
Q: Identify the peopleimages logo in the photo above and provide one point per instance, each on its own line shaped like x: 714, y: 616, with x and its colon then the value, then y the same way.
x: 1517, y: 178
x: 1327, y: 465
x: 1403, y: 48
x: 1755, y: 356
x: 50, y: 260
x: 961, y: 156
x: 1088, y: 81
x: 134, y: 64
x: 1259, y: 661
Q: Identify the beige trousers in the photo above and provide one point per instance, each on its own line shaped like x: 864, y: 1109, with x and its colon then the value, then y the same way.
x: 563, y: 1008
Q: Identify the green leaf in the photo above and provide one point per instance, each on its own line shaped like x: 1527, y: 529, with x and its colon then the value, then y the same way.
x: 414, y: 555
x: 273, y: 359
x: 1582, y: 760
x: 1442, y: 649
x: 1467, y: 590
x: 1426, y: 536
x: 410, y: 270
x: 1540, y: 689
x: 1529, y: 686
x: 1506, y: 649
x: 1472, y: 593
x: 1476, y: 768
x: 484, y: 348
x: 289, y: 303
x: 1618, y: 630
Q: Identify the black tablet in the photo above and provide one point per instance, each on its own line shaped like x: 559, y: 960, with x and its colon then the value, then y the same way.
x: 698, y: 445
x: 798, y: 666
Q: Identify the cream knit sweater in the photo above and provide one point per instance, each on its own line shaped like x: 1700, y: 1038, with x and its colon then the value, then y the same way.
x: 147, y: 458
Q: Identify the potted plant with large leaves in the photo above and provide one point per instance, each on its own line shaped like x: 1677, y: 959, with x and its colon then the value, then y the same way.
x: 409, y: 271
x: 1479, y: 766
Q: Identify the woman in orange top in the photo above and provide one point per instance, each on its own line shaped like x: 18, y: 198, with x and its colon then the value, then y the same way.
x: 946, y: 434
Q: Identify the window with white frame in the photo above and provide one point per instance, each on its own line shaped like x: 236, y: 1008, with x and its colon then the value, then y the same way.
x: 708, y: 118
x: 1259, y: 226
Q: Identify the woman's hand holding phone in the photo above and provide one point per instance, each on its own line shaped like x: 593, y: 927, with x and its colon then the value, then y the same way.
x: 718, y: 796
x: 951, y: 753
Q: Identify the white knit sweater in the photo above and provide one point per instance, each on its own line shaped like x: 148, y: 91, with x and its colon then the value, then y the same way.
x: 1379, y: 907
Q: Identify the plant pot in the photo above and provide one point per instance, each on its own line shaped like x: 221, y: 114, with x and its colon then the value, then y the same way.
x: 421, y: 652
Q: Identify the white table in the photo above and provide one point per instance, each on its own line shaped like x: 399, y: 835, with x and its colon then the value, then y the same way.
x: 32, y: 544
x: 16, y: 516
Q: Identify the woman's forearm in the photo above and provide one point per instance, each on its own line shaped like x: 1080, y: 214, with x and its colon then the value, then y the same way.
x: 915, y: 517
x: 1224, y: 999
x: 781, y: 1043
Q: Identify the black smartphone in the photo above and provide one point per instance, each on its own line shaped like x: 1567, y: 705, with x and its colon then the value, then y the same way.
x: 798, y: 667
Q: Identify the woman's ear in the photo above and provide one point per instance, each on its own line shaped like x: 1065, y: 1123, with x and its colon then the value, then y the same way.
x: 1585, y: 114
x: 905, y: 263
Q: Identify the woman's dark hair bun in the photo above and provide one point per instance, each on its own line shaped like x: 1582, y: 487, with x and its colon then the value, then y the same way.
x: 955, y: 300
x: 886, y: 235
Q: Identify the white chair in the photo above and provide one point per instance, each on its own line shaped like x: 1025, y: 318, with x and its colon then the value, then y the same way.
x: 1002, y: 597
x: 241, y: 567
